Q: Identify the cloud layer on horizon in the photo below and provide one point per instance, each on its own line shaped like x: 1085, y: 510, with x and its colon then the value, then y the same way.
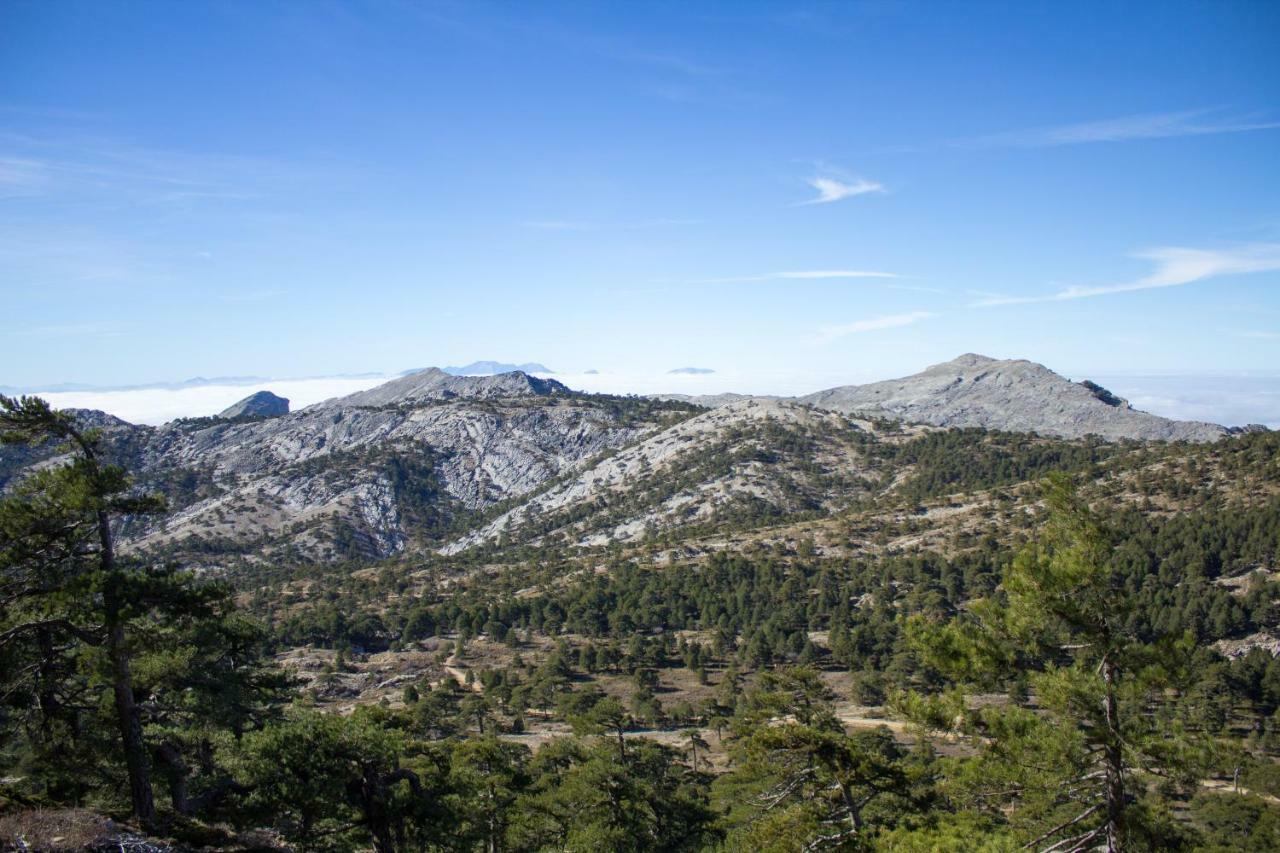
x: 1226, y: 398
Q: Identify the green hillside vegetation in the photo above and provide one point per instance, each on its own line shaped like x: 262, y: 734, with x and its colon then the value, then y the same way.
x: 979, y: 641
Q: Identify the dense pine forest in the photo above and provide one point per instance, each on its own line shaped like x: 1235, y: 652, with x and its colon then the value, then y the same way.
x: 1006, y: 644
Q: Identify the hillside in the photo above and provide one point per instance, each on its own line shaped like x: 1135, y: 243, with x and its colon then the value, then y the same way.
x: 435, y: 460
x: 1011, y: 395
x: 367, y: 475
x: 448, y: 586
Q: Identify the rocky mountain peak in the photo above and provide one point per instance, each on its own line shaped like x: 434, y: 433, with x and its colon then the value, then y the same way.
x: 263, y: 404
x: 1014, y: 395
x: 433, y: 384
x: 968, y: 360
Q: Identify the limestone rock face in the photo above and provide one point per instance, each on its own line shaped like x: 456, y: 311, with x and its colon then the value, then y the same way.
x: 434, y: 384
x: 372, y: 474
x: 689, y: 473
x: 263, y: 404
x: 423, y: 462
x: 1011, y: 395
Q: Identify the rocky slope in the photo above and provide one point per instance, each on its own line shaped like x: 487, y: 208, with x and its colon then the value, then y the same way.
x: 1011, y: 395
x: 367, y: 475
x: 263, y: 404
x: 422, y: 463
x: 434, y: 384
x: 751, y: 459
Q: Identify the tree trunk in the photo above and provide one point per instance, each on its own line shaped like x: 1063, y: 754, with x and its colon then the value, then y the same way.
x: 130, y: 722
x: 1113, y: 755
x: 128, y: 716
x: 171, y: 757
x: 373, y: 793
x: 47, y: 698
x: 853, y: 812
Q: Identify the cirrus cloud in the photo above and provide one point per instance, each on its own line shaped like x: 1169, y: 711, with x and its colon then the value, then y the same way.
x: 1174, y: 266
x: 831, y: 189
x: 826, y: 334
x: 1125, y: 128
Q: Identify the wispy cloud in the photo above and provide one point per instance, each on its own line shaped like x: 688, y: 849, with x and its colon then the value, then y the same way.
x: 799, y: 275
x: 1174, y: 266
x: 118, y: 172
x: 671, y: 62
x: 1259, y: 335
x: 21, y: 177
x: 834, y: 274
x: 826, y: 334
x: 832, y: 189
x: 74, y: 330
x: 604, y: 225
x: 1140, y: 126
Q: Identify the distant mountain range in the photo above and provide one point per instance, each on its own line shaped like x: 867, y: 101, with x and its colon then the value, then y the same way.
x: 489, y: 368
x: 424, y: 461
x: 691, y: 371
x: 194, y: 382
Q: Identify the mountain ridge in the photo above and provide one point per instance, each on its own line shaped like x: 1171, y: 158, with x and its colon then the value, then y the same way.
x: 433, y: 461
x: 1015, y: 395
x: 491, y: 368
x: 434, y: 384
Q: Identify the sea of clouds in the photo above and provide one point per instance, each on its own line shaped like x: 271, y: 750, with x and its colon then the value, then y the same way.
x: 1234, y: 399
x: 158, y: 405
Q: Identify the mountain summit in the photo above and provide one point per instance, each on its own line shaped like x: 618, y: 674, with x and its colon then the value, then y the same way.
x: 434, y: 384
x: 1013, y: 395
x: 263, y: 404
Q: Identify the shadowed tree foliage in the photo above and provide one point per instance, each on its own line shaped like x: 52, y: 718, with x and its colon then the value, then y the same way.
x: 85, y: 632
x: 64, y: 590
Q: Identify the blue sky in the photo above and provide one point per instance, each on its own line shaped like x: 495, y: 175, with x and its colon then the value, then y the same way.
x: 301, y: 189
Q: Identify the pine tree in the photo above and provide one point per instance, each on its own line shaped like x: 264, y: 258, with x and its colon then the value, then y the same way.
x: 62, y: 584
x: 1073, y: 761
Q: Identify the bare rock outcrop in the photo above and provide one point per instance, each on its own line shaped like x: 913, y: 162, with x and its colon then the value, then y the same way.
x: 263, y: 404
x: 1010, y: 395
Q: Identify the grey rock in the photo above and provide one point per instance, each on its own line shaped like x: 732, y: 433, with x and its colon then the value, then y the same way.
x: 357, y: 475
x: 263, y: 404
x: 95, y: 419
x: 1011, y: 395
x: 347, y: 476
x: 639, y: 478
x: 713, y: 401
x: 433, y: 384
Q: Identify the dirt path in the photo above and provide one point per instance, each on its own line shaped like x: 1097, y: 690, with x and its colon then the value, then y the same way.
x: 1222, y: 786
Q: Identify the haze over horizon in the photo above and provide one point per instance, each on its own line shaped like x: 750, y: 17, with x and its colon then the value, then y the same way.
x: 1235, y: 399
x: 809, y: 196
